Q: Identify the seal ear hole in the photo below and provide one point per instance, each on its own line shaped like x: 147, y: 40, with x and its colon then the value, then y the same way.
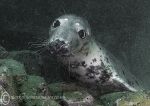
x: 82, y: 34
x: 56, y: 23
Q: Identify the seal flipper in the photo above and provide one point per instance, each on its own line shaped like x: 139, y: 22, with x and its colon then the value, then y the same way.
x: 114, y: 86
x: 122, y: 85
x: 121, y: 76
x: 125, y: 76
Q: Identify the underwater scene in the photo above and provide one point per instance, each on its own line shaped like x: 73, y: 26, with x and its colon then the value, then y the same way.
x: 74, y: 53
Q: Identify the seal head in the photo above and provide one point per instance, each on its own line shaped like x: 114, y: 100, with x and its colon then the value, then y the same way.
x: 68, y: 35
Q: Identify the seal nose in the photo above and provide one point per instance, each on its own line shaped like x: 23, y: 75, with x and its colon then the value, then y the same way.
x: 58, y: 47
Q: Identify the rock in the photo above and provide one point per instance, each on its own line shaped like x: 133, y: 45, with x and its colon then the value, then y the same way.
x: 71, y: 95
x: 12, y: 67
x: 77, y: 98
x: 8, y: 89
x: 9, y: 70
x: 31, y: 84
x: 55, y: 88
x: 139, y: 98
x: 134, y: 99
x: 35, y: 92
x: 109, y: 99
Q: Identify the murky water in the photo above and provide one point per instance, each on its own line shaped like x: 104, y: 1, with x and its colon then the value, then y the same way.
x: 121, y: 26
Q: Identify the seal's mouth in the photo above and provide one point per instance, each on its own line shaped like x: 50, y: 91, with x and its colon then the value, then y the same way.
x: 59, y: 48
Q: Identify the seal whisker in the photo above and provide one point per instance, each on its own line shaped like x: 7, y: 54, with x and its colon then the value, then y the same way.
x: 37, y: 44
x: 41, y: 50
x: 63, y: 5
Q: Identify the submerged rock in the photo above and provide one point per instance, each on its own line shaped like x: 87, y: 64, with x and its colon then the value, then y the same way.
x: 110, y: 99
x: 35, y: 92
x: 77, y: 98
x: 140, y: 98
x: 72, y: 95
x: 23, y: 89
x: 10, y: 70
x: 134, y: 99
x: 12, y: 67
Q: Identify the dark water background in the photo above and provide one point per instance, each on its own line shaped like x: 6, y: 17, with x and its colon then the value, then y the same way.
x: 122, y: 26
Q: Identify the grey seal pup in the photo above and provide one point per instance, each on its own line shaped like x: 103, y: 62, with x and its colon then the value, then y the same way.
x: 87, y: 60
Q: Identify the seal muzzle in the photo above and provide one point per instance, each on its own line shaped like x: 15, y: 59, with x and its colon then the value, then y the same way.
x: 59, y: 48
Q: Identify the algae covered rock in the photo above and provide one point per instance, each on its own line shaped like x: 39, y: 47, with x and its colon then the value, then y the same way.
x: 78, y: 98
x: 139, y: 98
x: 35, y: 92
x: 134, y: 99
x: 9, y: 71
x: 12, y: 67
x: 110, y: 99
x: 71, y: 95
x: 23, y: 89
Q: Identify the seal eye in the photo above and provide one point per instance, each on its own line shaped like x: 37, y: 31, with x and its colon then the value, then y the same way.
x: 56, y: 23
x: 82, y: 34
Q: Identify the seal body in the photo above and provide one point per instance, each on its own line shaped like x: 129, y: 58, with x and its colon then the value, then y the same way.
x: 88, y: 61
